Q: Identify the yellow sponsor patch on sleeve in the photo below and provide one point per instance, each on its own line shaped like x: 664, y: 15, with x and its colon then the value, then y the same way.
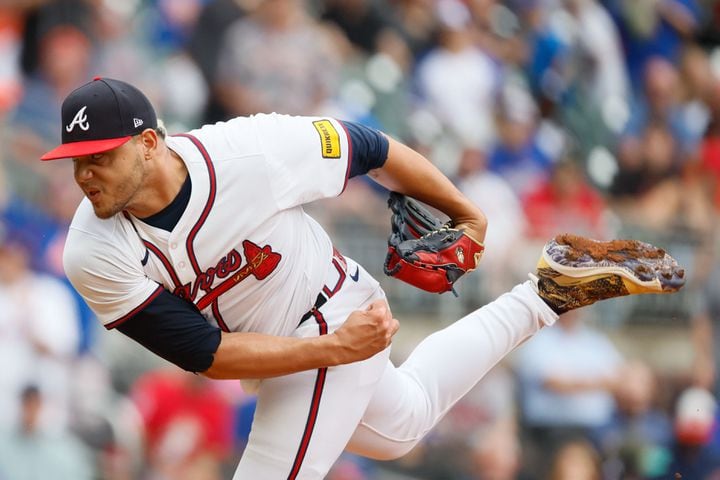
x: 329, y: 138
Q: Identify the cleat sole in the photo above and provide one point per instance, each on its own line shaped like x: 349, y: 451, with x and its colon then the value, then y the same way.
x: 643, y: 267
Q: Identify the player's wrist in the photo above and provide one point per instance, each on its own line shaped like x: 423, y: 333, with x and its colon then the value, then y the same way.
x: 334, y: 352
x: 474, y: 227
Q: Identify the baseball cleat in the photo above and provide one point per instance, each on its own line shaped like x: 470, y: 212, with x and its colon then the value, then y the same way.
x: 574, y: 271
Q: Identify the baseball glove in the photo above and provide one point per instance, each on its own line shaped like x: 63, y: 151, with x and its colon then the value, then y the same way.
x: 423, y: 251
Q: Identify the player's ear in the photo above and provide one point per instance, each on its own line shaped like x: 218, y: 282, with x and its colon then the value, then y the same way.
x: 149, y: 141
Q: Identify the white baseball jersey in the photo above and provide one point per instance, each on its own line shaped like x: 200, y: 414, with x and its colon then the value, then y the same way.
x: 249, y: 257
x: 244, y: 251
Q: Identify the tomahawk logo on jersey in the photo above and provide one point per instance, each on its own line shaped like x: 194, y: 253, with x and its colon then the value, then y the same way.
x: 260, y: 262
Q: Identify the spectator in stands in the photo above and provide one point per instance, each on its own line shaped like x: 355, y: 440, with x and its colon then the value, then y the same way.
x: 693, y: 453
x: 362, y: 21
x: 646, y: 185
x: 710, y: 149
x: 459, y: 82
x: 518, y: 156
x: 576, y: 460
x: 546, y: 60
x: 660, y: 103
x: 709, y: 18
x: 648, y: 190
x: 41, y: 16
x: 638, y: 437
x: 173, y: 22
x: 24, y: 216
x: 653, y: 29
x: 566, y: 375
x: 28, y: 452
x: 62, y: 201
x: 352, y: 467
x: 594, y: 105
x: 602, y: 61
x: 64, y: 62
x: 11, y: 23
x: 38, y: 333
x: 64, y: 56
x: 416, y: 22
x: 170, y: 25
x: 277, y: 59
x: 565, y: 202
x: 204, y: 47
x: 498, y: 32
x: 699, y: 82
x: 187, y: 425
x: 496, y: 453
x: 487, y: 422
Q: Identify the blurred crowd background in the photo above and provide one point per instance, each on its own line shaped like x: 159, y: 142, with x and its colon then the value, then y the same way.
x: 598, y: 117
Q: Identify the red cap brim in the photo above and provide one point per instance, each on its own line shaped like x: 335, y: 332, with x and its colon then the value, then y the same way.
x: 80, y: 149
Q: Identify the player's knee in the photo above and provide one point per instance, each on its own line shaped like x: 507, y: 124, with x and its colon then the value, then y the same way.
x: 385, y: 452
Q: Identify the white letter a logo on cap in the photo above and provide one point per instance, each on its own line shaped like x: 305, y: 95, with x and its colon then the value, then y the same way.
x: 80, y: 120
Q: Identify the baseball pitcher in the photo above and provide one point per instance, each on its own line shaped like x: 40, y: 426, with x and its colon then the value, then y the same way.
x: 197, y: 247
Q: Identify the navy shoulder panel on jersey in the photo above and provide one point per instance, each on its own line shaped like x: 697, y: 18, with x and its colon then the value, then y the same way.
x: 369, y: 148
x: 173, y: 329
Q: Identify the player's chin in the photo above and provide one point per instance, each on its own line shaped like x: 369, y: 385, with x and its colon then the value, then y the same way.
x: 106, y: 211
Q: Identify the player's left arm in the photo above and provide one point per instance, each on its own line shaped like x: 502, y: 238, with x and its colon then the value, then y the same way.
x: 409, y: 172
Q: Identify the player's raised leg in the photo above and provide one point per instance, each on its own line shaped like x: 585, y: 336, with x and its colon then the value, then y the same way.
x: 572, y: 272
x: 413, y: 397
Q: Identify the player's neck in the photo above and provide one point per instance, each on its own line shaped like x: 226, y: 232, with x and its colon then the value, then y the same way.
x: 162, y: 185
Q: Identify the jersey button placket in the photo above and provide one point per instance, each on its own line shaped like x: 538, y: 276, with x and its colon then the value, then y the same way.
x: 181, y: 264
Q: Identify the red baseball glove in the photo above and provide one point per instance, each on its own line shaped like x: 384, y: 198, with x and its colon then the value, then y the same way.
x: 423, y: 251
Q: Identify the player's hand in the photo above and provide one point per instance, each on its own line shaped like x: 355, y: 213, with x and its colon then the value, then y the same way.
x: 366, y: 332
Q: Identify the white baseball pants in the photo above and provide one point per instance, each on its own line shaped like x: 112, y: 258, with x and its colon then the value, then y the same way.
x: 304, y: 421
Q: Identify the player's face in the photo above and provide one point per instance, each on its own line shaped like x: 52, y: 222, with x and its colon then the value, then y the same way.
x: 111, y: 180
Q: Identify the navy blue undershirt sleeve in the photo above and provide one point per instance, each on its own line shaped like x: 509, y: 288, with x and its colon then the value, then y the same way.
x: 173, y: 329
x: 369, y: 148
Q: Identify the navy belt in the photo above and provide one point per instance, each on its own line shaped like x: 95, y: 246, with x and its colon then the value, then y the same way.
x: 326, y: 293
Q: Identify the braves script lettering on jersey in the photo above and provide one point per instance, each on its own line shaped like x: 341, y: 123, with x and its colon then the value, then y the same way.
x: 182, y: 237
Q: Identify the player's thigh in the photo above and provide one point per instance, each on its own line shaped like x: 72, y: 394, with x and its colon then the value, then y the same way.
x: 303, y: 421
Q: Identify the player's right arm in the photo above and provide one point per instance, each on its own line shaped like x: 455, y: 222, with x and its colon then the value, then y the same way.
x: 107, y: 272
x: 171, y: 328
x: 253, y: 355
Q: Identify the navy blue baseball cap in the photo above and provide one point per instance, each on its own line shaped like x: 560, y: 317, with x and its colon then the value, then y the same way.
x: 101, y: 115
